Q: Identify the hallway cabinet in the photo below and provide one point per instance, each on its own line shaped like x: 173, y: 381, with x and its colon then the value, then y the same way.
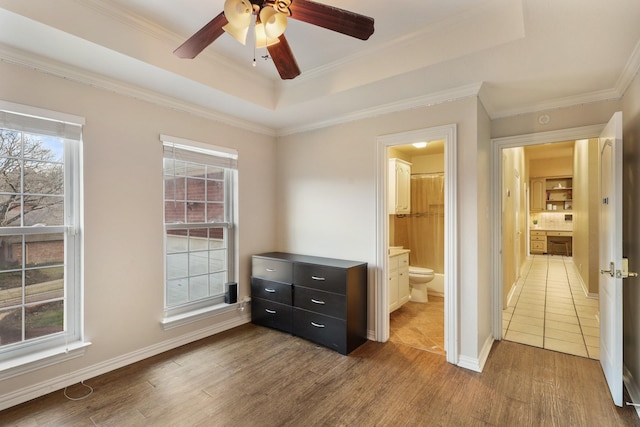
x: 538, y: 241
x: 551, y: 192
x: 538, y: 194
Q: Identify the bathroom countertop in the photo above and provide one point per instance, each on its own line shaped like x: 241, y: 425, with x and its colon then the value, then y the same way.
x: 398, y: 251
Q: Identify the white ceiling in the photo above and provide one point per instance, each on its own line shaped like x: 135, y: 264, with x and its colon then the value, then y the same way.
x: 518, y: 55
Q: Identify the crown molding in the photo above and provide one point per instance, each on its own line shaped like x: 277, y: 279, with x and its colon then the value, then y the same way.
x: 629, y: 71
x: 392, y: 107
x: 616, y: 93
x: 35, y: 62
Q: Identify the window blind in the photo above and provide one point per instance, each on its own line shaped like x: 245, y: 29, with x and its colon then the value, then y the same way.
x: 40, y: 125
x: 227, y: 159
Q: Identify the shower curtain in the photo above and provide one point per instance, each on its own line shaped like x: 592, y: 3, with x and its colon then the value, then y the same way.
x: 422, y: 231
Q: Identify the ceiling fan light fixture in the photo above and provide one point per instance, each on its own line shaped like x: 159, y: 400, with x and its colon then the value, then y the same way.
x: 237, y: 33
x: 273, y: 21
x: 238, y: 14
x: 262, y: 40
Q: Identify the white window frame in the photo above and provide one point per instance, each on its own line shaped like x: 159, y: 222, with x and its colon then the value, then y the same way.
x: 202, y: 308
x: 26, y: 356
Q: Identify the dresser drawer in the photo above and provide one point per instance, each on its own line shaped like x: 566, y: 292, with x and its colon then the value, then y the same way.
x: 538, y: 238
x: 324, y: 330
x: 539, y: 246
x: 272, y: 269
x: 538, y: 233
x: 272, y: 291
x: 320, y: 277
x: 321, y: 302
x: 559, y: 233
x: 272, y: 314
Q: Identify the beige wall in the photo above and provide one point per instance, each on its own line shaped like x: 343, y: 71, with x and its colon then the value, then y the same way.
x: 427, y: 164
x: 124, y: 262
x: 631, y: 236
x: 513, y: 250
x: 551, y: 166
x: 327, y: 200
x: 559, y: 118
x: 585, y: 213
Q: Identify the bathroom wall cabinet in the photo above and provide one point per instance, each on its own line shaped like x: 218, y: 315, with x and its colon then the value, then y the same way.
x: 399, y: 291
x: 323, y: 300
x: 399, y: 187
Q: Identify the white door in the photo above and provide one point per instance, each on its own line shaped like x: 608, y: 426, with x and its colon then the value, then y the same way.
x: 611, y: 255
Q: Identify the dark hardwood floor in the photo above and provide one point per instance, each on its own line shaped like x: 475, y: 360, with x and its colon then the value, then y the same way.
x: 253, y: 376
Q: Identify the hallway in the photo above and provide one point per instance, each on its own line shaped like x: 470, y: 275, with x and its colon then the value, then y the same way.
x: 550, y: 310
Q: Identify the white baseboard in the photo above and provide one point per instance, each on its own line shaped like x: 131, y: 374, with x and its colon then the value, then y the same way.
x: 477, y: 364
x: 512, y: 292
x: 584, y: 285
x: 36, y: 390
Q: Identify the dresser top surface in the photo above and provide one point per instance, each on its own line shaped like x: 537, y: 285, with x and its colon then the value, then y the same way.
x: 308, y: 259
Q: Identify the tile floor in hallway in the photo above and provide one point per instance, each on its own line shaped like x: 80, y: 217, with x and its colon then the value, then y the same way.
x: 419, y: 325
x: 549, y: 309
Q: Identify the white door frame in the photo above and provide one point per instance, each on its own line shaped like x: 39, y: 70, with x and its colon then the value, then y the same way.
x: 497, y: 145
x: 448, y: 133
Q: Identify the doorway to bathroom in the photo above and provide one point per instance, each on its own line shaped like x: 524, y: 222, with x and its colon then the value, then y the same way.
x: 416, y: 316
x: 417, y: 304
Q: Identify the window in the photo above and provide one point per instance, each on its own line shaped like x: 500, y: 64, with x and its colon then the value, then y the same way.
x: 40, y: 250
x: 198, y: 220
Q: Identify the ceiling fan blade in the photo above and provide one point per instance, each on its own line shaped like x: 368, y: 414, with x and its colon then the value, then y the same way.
x: 283, y: 59
x: 203, y: 38
x: 332, y: 18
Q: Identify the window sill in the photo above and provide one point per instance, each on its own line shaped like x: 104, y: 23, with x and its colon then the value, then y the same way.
x: 182, y: 319
x: 31, y: 362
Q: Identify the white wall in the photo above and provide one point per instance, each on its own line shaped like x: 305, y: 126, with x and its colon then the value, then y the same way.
x: 123, y: 216
x: 631, y: 237
x: 327, y: 199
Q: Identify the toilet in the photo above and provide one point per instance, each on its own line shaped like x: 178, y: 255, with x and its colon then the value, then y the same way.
x: 418, y: 279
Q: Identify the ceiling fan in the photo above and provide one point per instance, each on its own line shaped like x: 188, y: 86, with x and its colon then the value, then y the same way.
x: 270, y: 23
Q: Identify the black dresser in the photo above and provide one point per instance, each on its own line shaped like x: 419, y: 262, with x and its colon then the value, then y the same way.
x: 321, y: 299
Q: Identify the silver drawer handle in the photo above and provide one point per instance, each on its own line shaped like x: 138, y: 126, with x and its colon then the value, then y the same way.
x: 270, y: 311
x: 271, y: 270
x: 317, y: 325
x: 271, y: 291
x: 317, y: 278
x: 315, y: 301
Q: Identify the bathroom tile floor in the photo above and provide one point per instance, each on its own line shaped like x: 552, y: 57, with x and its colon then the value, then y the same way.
x: 419, y: 325
x: 550, y: 310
